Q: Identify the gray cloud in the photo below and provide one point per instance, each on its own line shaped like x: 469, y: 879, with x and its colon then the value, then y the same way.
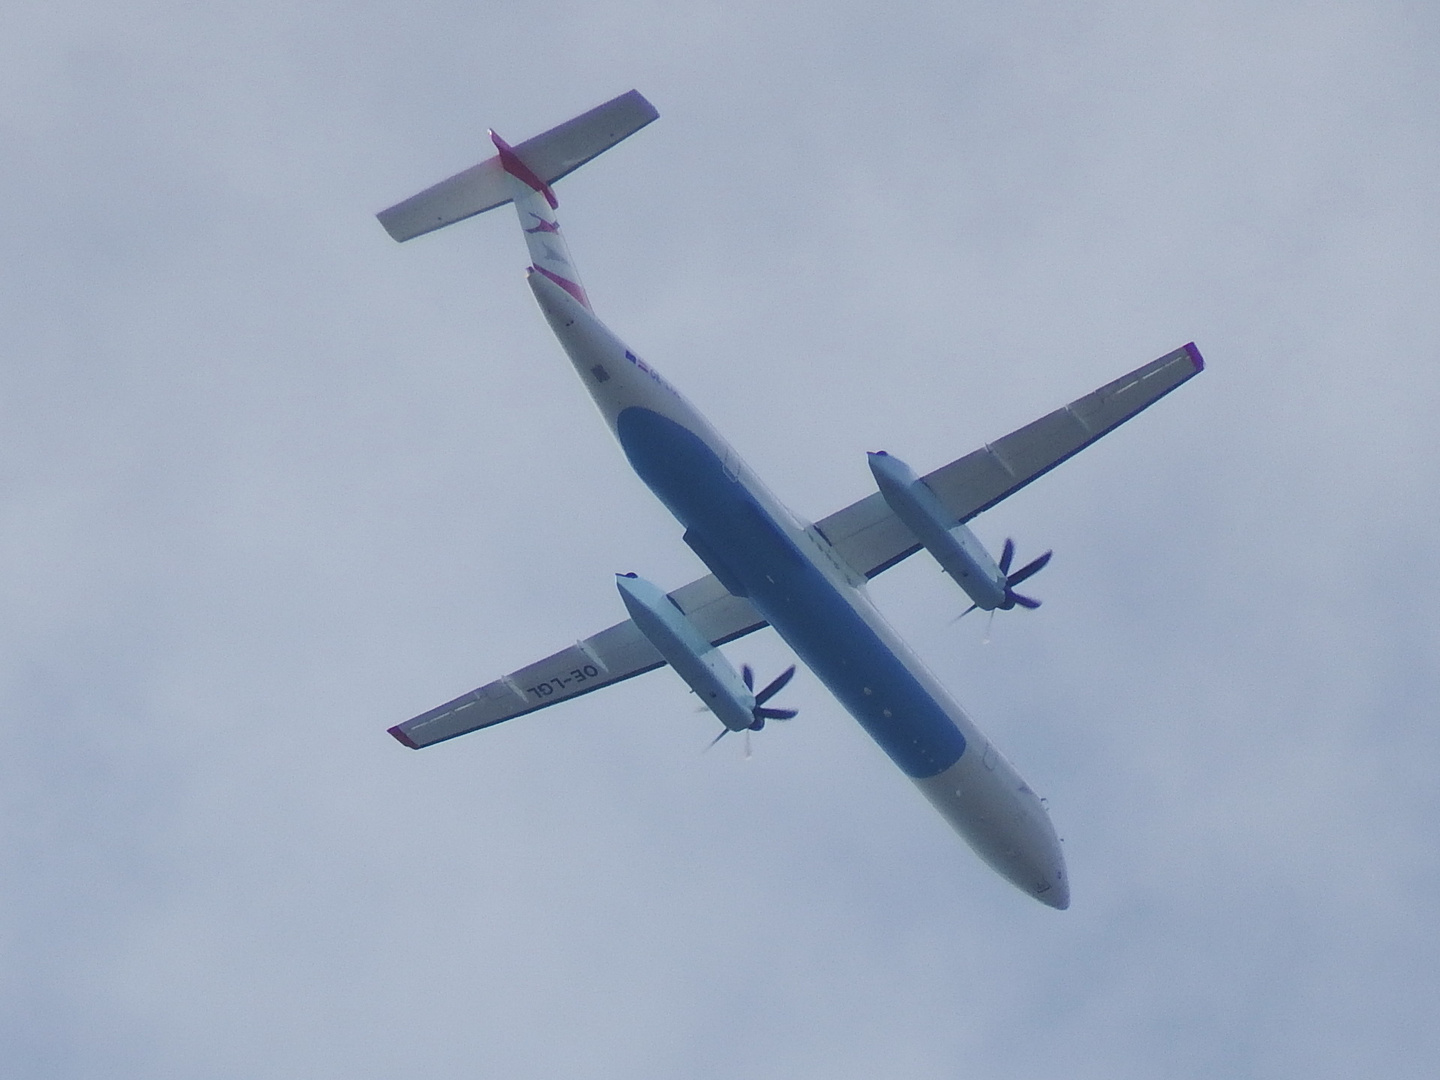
x: 270, y: 483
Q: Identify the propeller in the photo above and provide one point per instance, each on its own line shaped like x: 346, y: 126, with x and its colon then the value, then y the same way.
x: 776, y: 685
x: 1029, y: 570
x: 762, y: 712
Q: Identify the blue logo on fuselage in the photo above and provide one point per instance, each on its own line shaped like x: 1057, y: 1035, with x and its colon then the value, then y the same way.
x: 792, y: 593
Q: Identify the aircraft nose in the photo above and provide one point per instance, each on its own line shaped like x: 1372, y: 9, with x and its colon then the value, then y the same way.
x: 1057, y: 895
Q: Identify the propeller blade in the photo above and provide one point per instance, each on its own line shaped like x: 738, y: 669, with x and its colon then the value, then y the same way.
x: 962, y: 614
x: 1028, y: 570
x: 776, y: 714
x: 1025, y: 601
x: 712, y: 742
x: 748, y: 675
x: 776, y: 686
x: 1007, y: 553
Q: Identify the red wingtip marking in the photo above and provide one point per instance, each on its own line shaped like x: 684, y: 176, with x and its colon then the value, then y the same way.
x: 404, y: 739
x: 1195, y: 357
x: 522, y: 172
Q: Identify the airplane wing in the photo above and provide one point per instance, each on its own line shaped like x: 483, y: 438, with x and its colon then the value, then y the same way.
x: 617, y: 653
x: 867, y: 534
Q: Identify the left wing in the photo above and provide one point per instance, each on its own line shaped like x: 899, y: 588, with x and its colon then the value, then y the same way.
x: 614, y: 654
x: 866, y: 534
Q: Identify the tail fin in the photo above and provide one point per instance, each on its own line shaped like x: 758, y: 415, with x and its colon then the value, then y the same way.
x: 535, y: 207
x: 546, y: 158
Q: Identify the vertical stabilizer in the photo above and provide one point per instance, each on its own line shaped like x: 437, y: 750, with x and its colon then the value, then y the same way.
x: 535, y: 205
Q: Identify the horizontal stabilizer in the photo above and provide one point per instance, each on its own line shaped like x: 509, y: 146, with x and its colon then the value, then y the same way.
x: 556, y: 153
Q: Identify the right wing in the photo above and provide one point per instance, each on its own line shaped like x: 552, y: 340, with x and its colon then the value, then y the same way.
x: 869, y: 536
x: 607, y: 657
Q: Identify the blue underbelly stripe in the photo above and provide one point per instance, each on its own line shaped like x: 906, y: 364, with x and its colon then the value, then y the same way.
x: 794, y: 596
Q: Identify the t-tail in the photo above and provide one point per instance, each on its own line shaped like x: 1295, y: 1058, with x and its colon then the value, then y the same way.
x: 523, y: 175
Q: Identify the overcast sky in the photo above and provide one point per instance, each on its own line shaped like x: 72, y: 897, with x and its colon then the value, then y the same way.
x: 270, y: 483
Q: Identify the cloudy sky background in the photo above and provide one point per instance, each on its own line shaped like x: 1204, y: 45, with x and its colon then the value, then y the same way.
x: 270, y: 483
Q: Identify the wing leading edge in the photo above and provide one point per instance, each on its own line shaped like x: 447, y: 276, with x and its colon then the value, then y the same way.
x: 866, y: 534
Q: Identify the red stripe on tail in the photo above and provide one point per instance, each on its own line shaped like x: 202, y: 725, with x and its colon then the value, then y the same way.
x: 572, y: 287
x: 522, y: 172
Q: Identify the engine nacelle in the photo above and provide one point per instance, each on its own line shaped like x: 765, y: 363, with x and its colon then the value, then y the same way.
x: 957, y: 549
x: 702, y: 666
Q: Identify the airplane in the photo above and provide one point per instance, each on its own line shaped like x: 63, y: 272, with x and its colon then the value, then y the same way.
x: 769, y: 567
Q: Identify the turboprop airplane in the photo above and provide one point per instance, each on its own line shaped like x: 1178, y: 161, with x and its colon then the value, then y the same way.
x: 768, y: 567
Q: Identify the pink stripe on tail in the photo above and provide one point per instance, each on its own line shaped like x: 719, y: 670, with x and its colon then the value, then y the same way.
x: 572, y: 287
x: 522, y: 172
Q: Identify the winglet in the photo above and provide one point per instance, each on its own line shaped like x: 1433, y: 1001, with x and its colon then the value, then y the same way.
x: 401, y: 737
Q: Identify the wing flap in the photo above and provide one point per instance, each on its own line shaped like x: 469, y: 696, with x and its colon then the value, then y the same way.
x: 871, y: 539
x: 868, y: 535
x: 616, y: 653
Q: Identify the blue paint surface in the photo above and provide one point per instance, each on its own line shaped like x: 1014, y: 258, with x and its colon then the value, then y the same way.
x: 793, y: 595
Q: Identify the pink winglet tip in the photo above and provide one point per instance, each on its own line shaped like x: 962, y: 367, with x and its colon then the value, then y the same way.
x: 404, y: 739
x: 522, y: 172
x: 1195, y: 356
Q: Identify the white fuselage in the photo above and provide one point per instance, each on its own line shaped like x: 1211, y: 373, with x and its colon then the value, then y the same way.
x: 816, y: 603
